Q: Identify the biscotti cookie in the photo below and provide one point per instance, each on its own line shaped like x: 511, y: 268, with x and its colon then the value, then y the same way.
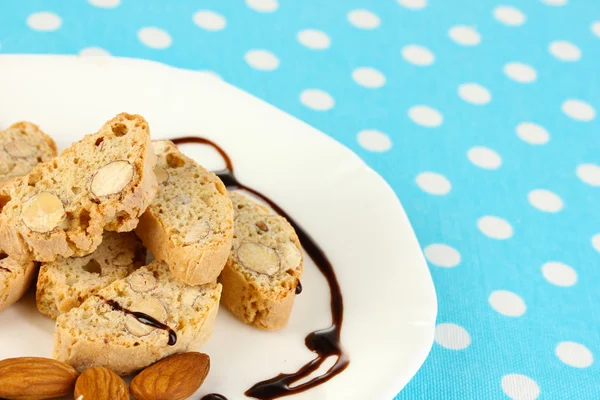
x: 62, y: 207
x: 22, y: 147
x: 104, y: 332
x: 66, y: 283
x: 14, y: 280
x: 243, y: 205
x: 264, y: 267
x: 190, y: 223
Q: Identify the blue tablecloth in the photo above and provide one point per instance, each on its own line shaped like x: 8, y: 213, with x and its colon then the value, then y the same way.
x: 482, y: 115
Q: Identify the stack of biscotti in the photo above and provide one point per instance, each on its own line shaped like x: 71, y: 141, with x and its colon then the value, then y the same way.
x: 76, y: 213
x: 88, y: 217
x: 178, y: 290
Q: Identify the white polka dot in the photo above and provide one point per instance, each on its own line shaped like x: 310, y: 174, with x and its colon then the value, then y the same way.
x: 44, y: 21
x: 155, y: 37
x: 555, y: 2
x: 532, y: 133
x: 442, y: 255
x: 559, y: 274
x: 363, y: 19
x: 373, y: 140
x: 495, y: 227
x: 520, y: 387
x: 474, y: 93
x: 105, y: 3
x: 209, y: 20
x: 314, y: 39
x: 262, y: 60
x: 509, y: 15
x: 579, y: 110
x: 520, y: 72
x: 418, y: 55
x: 94, y: 52
x: 507, y: 303
x: 433, y: 183
x: 574, y: 354
x: 464, y: 35
x: 263, y: 5
x: 425, y: 116
x: 317, y: 99
x: 564, y: 51
x: 596, y: 242
x: 589, y: 173
x: 452, y: 336
x: 413, y: 4
x: 484, y: 157
x: 368, y: 77
x: 545, y: 200
x: 596, y: 28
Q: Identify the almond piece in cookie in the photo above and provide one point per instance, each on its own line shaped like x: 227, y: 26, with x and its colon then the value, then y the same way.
x: 14, y: 280
x: 108, y: 330
x: 190, y: 223
x: 22, y: 147
x: 264, y: 267
x: 66, y: 283
x: 62, y: 207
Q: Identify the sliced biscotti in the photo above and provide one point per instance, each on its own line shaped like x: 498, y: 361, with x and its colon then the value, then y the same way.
x: 244, y: 205
x: 62, y: 207
x: 66, y: 283
x: 264, y: 267
x: 22, y: 147
x: 190, y: 223
x: 14, y: 280
x: 108, y: 329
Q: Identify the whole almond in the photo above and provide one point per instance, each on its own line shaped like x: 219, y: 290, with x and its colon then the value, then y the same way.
x: 35, y: 378
x: 100, y: 383
x: 175, y: 378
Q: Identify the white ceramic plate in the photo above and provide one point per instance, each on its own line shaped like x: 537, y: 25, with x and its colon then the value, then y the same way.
x: 390, y: 302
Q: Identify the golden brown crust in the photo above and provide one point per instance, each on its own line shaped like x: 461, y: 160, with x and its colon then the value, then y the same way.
x: 14, y: 280
x: 252, y: 306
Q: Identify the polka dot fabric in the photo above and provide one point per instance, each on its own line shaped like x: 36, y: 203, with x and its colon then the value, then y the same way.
x: 482, y: 116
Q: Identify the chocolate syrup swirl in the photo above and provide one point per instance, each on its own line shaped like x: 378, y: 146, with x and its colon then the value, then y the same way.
x: 5, y: 269
x: 325, y: 342
x: 144, y: 319
x: 214, y: 396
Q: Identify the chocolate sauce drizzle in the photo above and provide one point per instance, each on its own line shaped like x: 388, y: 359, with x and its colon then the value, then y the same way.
x: 214, y: 396
x: 325, y: 342
x: 144, y: 319
x: 5, y: 269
